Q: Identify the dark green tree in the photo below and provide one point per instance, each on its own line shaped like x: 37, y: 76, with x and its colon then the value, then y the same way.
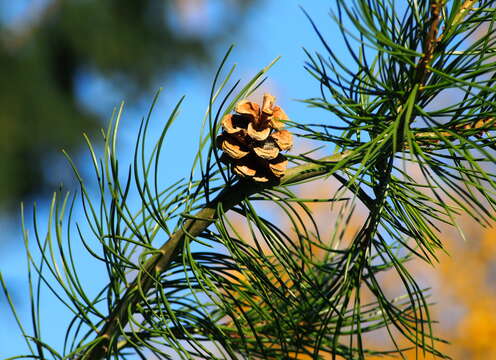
x: 129, y: 43
x: 183, y: 280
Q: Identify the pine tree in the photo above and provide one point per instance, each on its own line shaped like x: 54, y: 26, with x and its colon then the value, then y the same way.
x: 286, y: 292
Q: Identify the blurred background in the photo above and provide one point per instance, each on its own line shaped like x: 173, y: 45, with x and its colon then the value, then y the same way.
x: 65, y: 65
x: 55, y: 54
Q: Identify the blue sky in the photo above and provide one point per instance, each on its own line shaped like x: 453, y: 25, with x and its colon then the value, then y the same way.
x: 274, y: 28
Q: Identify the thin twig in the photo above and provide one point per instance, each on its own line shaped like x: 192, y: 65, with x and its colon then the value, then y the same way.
x: 466, y: 6
x: 430, y: 41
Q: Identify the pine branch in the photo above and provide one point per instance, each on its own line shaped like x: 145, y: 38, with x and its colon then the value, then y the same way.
x: 385, y: 162
x: 430, y: 40
x: 192, y: 227
x: 232, y: 196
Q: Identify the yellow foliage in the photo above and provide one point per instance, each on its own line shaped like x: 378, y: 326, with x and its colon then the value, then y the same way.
x: 476, y: 332
x: 464, y: 290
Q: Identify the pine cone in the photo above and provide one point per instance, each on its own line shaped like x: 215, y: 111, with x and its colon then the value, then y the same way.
x: 253, y: 138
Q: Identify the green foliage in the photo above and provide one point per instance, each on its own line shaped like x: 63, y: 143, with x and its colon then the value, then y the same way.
x: 209, y: 290
x: 128, y: 43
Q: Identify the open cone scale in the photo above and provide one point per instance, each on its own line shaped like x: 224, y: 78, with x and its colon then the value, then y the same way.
x: 253, y: 138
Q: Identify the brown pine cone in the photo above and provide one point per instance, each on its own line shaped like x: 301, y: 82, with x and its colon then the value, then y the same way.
x: 252, y: 140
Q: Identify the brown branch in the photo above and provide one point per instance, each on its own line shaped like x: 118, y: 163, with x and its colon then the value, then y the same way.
x: 430, y: 41
x: 432, y: 38
x: 476, y: 128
